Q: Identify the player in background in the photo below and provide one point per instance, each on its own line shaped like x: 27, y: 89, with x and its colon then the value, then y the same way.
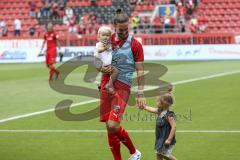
x: 52, y: 40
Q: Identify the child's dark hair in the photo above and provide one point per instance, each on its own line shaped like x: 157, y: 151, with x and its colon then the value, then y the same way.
x: 120, y: 17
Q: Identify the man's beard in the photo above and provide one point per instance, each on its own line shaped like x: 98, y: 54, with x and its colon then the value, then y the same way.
x: 121, y: 35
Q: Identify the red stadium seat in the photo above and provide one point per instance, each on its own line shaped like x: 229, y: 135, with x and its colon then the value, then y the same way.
x: 25, y: 28
x: 211, y: 1
x: 230, y: 30
x: 218, y: 24
x: 237, y: 30
x: 211, y: 24
x: 204, y: 1
x: 234, y: 18
x: 227, y: 18
x: 214, y: 30
x: 223, y: 30
x: 220, y: 17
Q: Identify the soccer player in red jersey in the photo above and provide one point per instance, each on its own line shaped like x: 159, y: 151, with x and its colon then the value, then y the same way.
x: 127, y: 57
x: 51, y: 38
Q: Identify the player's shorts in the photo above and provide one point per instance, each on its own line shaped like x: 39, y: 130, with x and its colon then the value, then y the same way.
x: 50, y: 58
x: 112, y: 106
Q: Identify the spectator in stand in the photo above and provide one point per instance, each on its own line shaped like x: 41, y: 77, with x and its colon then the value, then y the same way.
x: 135, y: 23
x: 32, y: 7
x: 157, y: 25
x: 202, y: 21
x: 167, y: 24
x: 46, y: 8
x: 147, y: 24
x: 141, y: 25
x: 181, y: 27
x: 97, y: 26
x: 69, y: 12
x: 39, y: 14
x: 72, y: 28
x: 196, y: 2
x: 55, y: 10
x: 61, y: 13
x: 172, y: 23
x: 2, y: 27
x: 5, y: 31
x: 17, y: 27
x: 81, y: 29
x: 93, y: 2
x: 93, y: 18
x: 65, y: 20
x: 61, y: 5
x: 68, y: 16
x: 32, y: 30
x: 180, y: 9
x: 133, y: 2
x: 139, y: 1
x: 87, y: 22
x: 194, y: 25
x: 190, y: 7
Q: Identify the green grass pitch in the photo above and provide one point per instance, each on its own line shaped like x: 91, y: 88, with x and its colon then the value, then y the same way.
x: 210, y: 104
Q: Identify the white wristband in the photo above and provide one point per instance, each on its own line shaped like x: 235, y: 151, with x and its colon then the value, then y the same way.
x: 140, y: 91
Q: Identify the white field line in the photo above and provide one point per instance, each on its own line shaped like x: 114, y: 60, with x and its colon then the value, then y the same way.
x: 104, y: 131
x: 96, y: 100
x: 44, y: 111
x: 206, y: 77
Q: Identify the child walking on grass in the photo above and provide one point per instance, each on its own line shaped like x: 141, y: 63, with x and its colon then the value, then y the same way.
x: 165, y: 127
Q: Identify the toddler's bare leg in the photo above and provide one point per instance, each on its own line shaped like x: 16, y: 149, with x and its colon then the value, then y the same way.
x: 109, y: 86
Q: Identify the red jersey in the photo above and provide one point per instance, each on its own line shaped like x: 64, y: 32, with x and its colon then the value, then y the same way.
x: 51, y: 38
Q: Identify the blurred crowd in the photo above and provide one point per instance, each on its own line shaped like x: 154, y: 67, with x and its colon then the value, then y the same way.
x: 182, y: 20
x: 177, y: 22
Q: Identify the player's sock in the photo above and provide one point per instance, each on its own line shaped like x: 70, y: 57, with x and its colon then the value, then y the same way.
x: 114, y: 144
x: 52, y: 68
x: 57, y: 73
x: 51, y: 73
x: 126, y: 140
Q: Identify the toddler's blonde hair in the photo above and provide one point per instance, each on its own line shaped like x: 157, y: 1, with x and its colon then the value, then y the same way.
x: 104, y: 29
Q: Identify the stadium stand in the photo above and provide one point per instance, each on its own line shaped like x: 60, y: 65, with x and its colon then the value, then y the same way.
x: 222, y: 16
x: 83, y: 17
